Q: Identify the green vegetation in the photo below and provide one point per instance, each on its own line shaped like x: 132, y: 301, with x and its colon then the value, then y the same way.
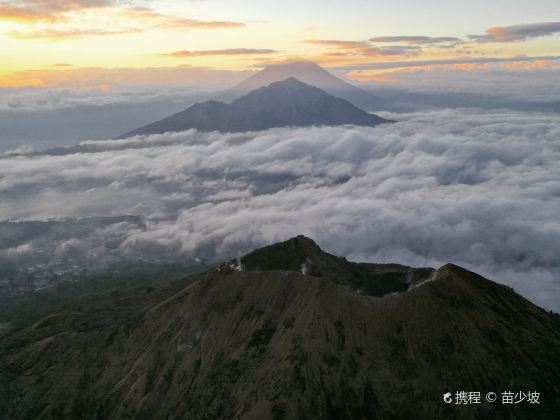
x: 340, y: 336
x: 353, y: 365
x: 289, y: 323
x: 278, y: 412
x: 330, y: 360
x: 299, y: 359
x: 262, y: 336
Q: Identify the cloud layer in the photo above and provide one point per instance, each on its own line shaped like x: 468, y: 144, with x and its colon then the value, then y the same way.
x: 518, y: 33
x: 522, y: 78
x: 60, y: 87
x: 49, y: 10
x: 63, y: 19
x: 478, y: 188
x: 358, y: 52
x: 418, y: 39
x: 229, y: 51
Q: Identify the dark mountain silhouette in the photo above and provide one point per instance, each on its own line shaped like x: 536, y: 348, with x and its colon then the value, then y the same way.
x: 303, y: 255
x: 289, y: 103
x: 270, y: 342
x: 312, y: 74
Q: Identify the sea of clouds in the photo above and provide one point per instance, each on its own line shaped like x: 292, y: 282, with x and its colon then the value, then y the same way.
x: 477, y: 188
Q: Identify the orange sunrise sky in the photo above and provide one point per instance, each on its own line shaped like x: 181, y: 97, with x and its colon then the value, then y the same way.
x: 98, y: 44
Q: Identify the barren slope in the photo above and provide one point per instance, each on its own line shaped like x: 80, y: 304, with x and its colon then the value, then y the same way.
x: 280, y: 344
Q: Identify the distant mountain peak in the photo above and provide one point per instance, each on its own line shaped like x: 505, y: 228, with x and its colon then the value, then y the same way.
x: 291, y: 80
x: 294, y: 66
x: 286, y: 103
x: 312, y: 74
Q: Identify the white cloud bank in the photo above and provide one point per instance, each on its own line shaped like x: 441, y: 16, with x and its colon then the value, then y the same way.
x: 57, y: 99
x: 477, y: 188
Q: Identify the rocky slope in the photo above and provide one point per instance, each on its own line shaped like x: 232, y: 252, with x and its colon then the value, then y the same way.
x: 272, y: 342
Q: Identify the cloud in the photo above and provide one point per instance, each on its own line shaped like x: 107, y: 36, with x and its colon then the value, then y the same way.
x: 477, y: 188
x: 49, y: 10
x: 30, y: 100
x: 59, y: 5
x: 203, y: 24
x: 157, y: 20
x: 70, y: 33
x: 231, y: 51
x: 523, y: 78
x: 22, y: 15
x: 115, y: 78
x: 347, y: 52
x: 420, y: 40
x: 67, y: 19
x: 361, y: 48
x: 347, y: 45
x: 425, y: 62
x: 518, y: 33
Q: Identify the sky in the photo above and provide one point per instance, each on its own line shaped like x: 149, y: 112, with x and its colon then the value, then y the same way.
x: 74, y: 43
x: 469, y: 174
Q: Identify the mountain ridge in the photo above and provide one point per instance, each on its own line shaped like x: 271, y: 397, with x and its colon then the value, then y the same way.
x: 304, y: 255
x: 288, y: 103
x: 277, y: 343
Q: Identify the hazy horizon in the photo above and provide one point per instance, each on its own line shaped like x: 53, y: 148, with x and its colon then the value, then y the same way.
x: 78, y: 70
